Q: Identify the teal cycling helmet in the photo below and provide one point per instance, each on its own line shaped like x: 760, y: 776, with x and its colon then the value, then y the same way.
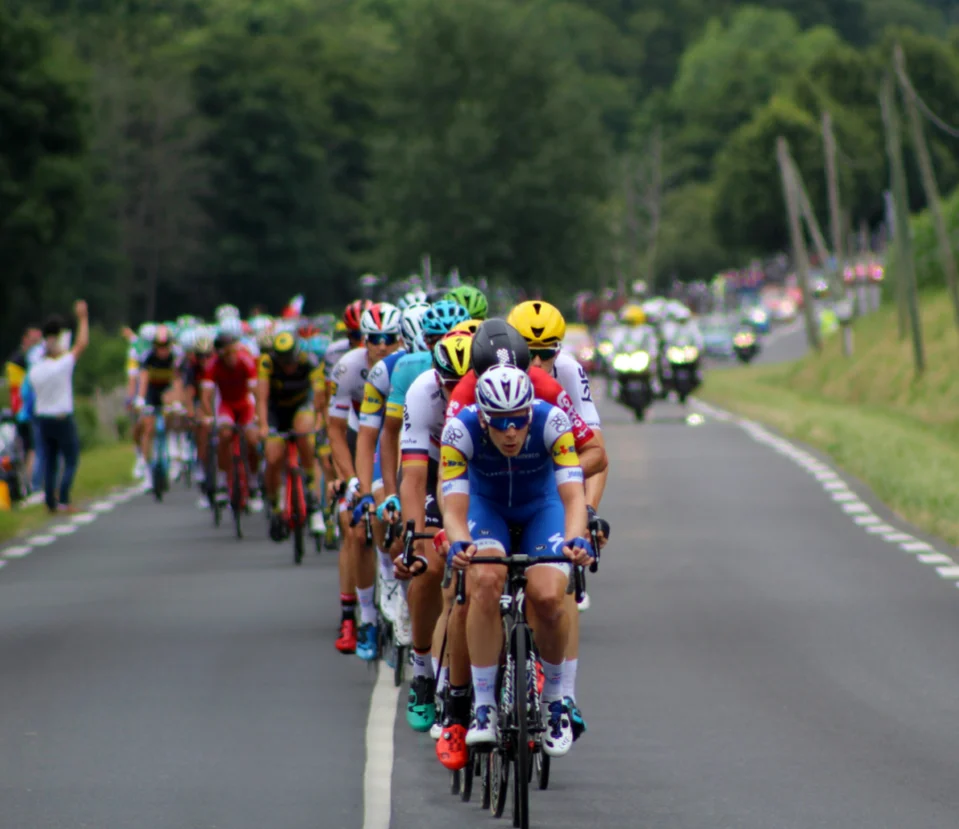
x: 472, y: 299
x: 442, y: 316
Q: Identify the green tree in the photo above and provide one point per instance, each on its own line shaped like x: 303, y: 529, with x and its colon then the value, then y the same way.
x: 43, y: 169
x: 493, y: 157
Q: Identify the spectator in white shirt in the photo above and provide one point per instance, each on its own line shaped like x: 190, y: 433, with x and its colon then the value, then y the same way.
x: 52, y: 380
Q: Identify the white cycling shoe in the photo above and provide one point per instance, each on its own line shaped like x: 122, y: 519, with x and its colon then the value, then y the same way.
x: 558, y: 737
x: 482, y: 730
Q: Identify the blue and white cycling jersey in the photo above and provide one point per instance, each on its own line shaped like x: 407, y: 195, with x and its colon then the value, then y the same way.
x: 505, y: 491
x: 378, y: 386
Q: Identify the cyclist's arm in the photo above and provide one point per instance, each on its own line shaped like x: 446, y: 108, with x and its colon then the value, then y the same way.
x: 574, y: 502
x: 594, y: 455
x: 142, y: 382
x: 365, y: 455
x: 454, y: 473
x: 567, y: 472
x: 262, y: 398
x: 390, y: 452
x: 336, y: 430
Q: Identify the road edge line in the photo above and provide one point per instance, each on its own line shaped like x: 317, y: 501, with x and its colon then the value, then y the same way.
x: 378, y: 771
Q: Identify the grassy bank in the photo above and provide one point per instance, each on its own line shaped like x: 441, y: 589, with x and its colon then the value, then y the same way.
x: 898, y: 434
x: 100, y: 470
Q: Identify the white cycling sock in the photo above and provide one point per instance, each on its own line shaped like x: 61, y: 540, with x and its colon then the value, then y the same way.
x: 569, y: 678
x: 386, y: 565
x: 422, y: 665
x: 484, y: 685
x: 443, y: 680
x: 367, y: 608
x: 553, y: 687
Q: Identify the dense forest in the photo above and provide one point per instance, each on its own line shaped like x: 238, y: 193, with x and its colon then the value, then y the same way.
x: 160, y: 156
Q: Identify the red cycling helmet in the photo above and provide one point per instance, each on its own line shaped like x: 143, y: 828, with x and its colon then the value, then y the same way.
x: 353, y: 313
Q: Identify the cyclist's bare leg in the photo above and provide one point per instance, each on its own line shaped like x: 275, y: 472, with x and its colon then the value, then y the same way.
x: 483, y: 628
x: 275, y: 456
x: 546, y: 595
x: 147, y: 424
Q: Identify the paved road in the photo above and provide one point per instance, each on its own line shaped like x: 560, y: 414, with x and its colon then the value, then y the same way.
x: 752, y: 660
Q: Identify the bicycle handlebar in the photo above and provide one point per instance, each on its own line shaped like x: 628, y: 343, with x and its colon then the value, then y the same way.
x: 521, y: 563
x: 410, y: 559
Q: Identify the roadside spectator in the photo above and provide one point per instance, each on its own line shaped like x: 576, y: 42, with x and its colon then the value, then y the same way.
x: 51, y: 379
x: 16, y: 372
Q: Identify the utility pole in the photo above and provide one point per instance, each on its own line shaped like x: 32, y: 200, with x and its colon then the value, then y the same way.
x: 929, y: 182
x: 900, y: 194
x: 832, y: 189
x: 819, y: 242
x: 798, y: 242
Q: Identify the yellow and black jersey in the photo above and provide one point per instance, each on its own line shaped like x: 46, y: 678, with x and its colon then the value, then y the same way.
x: 160, y: 370
x: 294, y: 387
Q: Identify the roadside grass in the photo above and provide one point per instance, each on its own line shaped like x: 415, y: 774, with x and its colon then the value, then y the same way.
x: 101, y: 470
x: 898, y: 434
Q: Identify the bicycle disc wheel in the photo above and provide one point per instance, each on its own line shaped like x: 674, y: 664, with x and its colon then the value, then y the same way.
x: 521, y: 756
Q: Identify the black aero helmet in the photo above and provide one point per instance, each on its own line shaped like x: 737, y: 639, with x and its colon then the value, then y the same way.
x: 495, y: 343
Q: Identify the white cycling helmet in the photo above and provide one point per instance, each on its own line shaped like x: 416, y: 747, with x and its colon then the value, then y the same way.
x: 187, y: 339
x: 411, y: 299
x: 231, y: 326
x: 503, y: 389
x: 411, y: 326
x: 380, y: 318
x: 226, y: 312
x: 681, y: 313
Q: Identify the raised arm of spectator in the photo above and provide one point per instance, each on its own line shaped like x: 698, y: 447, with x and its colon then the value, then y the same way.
x: 83, y: 329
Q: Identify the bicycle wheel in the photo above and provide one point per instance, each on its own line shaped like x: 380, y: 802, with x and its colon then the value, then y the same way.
x: 541, y: 764
x: 295, y: 486
x: 469, y: 772
x: 499, y: 781
x: 521, y: 755
x: 236, y: 496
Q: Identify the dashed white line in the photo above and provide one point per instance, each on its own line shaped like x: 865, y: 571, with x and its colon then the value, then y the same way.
x: 840, y: 492
x: 18, y: 552
x: 63, y: 529
x: 935, y: 558
x: 41, y: 540
x: 84, y: 518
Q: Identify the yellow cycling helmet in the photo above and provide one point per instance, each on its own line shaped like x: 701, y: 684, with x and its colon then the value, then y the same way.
x: 468, y: 327
x: 340, y: 327
x: 286, y: 346
x: 541, y: 324
x: 633, y: 315
x: 451, y: 355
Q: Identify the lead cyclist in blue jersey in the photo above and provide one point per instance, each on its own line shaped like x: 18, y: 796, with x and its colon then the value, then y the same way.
x: 511, y: 460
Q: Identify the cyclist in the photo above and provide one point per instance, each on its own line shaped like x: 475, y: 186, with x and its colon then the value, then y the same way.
x: 140, y: 344
x: 511, y: 460
x: 380, y: 328
x: 369, y: 470
x: 232, y: 372
x: 439, y: 320
x: 424, y: 416
x: 288, y: 400
x: 193, y: 368
x: 159, y: 385
x: 472, y: 299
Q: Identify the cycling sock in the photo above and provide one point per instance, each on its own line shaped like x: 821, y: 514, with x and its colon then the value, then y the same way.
x: 348, y: 606
x: 553, y: 687
x: 460, y: 702
x: 484, y: 684
x: 386, y: 565
x: 436, y: 664
x: 422, y: 664
x: 367, y: 608
x: 443, y: 680
x: 569, y: 678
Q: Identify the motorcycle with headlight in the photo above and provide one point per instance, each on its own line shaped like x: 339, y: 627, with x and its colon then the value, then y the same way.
x: 746, y: 345
x: 684, y: 369
x: 633, y: 379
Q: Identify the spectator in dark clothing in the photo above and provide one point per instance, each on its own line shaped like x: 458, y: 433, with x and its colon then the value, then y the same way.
x: 51, y: 379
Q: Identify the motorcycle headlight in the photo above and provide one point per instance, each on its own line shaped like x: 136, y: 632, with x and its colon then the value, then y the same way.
x: 622, y: 362
x: 639, y: 361
x: 606, y: 348
x: 586, y: 354
x: 691, y: 353
x: 744, y: 339
x: 674, y: 354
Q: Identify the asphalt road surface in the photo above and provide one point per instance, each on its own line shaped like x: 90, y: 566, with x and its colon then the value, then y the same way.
x: 752, y: 660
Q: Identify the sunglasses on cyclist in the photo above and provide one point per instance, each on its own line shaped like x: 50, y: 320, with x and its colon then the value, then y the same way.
x: 544, y: 354
x: 516, y: 421
x: 382, y: 339
x: 354, y: 335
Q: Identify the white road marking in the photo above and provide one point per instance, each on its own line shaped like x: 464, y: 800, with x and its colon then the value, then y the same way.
x: 41, y: 540
x: 840, y: 492
x: 896, y: 537
x: 378, y: 774
x: 61, y: 530
x: 935, y: 558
